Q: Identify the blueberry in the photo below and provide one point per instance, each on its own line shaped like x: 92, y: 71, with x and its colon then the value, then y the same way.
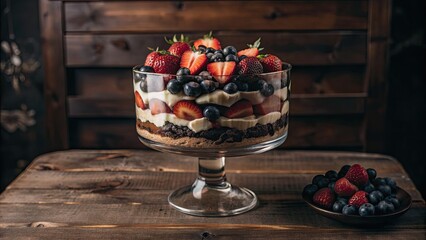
x: 331, y: 174
x: 209, y: 56
x: 331, y: 185
x: 333, y: 179
x: 144, y: 85
x: 317, y: 178
x: 210, y: 50
x: 174, y: 86
x: 208, y: 86
x: 231, y: 58
x: 205, y: 75
x: 369, y: 188
x: 217, y: 57
x: 230, y: 88
x: 366, y: 209
x: 338, y: 206
x: 349, y: 210
x: 202, y: 48
x: 384, y: 207
x: 211, y: 112
x: 267, y: 90
x: 391, y: 183
x: 192, y: 89
x: 375, y: 197
x: 310, y: 190
x: 371, y: 174
x: 379, y: 181
x: 198, y: 79
x: 146, y: 69
x: 261, y: 84
x: 385, y: 189
x: 342, y: 200
x: 182, y: 79
x: 243, y: 87
x: 323, y: 182
x: 183, y: 71
x: 229, y: 50
x: 242, y: 57
x: 343, y: 171
x: 393, y: 200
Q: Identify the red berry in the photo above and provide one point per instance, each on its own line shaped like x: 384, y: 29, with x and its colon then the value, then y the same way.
x: 157, y: 106
x: 222, y: 71
x: 178, y: 46
x: 271, y: 104
x: 324, y: 198
x: 149, y: 61
x: 358, y: 199
x: 187, y: 110
x: 208, y: 41
x: 252, y: 51
x: 271, y: 63
x: 344, y: 188
x: 138, y: 100
x: 166, y: 63
x: 194, y: 61
x: 250, y: 65
x: 357, y: 175
x: 240, y: 109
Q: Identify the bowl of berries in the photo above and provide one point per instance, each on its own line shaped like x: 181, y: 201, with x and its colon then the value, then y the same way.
x: 355, y: 196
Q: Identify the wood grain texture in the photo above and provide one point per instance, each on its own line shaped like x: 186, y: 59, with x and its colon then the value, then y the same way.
x: 333, y: 48
x: 54, y: 69
x: 126, y: 16
x: 129, y: 190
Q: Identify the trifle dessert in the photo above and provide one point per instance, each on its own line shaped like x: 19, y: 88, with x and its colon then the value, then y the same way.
x: 200, y: 95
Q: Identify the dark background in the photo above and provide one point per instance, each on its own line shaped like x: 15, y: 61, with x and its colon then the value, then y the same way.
x: 406, y: 115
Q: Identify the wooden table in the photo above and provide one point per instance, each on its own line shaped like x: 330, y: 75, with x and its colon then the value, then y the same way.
x: 122, y: 194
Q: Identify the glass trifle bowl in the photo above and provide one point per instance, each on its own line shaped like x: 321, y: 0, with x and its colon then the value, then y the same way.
x: 218, y: 122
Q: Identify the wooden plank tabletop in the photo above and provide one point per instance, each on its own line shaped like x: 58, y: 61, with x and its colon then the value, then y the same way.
x: 122, y: 194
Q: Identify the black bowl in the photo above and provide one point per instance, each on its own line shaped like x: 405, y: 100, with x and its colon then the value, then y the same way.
x: 403, y: 196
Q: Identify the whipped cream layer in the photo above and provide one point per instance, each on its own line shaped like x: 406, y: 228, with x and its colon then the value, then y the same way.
x: 201, y: 124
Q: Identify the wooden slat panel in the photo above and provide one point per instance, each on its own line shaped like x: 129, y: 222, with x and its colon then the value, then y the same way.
x: 193, y: 16
x: 319, y: 132
x: 334, y: 48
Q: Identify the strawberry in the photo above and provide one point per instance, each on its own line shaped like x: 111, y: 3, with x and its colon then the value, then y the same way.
x: 195, y: 61
x: 250, y: 65
x: 138, y: 100
x: 166, y: 63
x: 324, y: 198
x: 270, y: 63
x: 157, y: 106
x: 149, y: 61
x: 357, y: 175
x: 188, y: 110
x: 208, y: 41
x: 358, y: 199
x: 252, y: 51
x: 271, y: 104
x: 178, y: 46
x: 344, y: 188
x: 222, y: 71
x: 239, y: 109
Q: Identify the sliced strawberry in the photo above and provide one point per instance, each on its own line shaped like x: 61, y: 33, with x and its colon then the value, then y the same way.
x: 195, y: 61
x: 157, y: 106
x: 250, y: 65
x: 166, y: 63
x: 178, y: 46
x: 188, y: 110
x: 222, y: 71
x: 270, y: 63
x: 252, y: 51
x: 208, y: 41
x: 239, y: 109
x: 271, y: 104
x: 138, y: 100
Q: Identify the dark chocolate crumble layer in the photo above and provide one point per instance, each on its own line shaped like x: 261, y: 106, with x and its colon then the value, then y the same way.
x: 218, y: 135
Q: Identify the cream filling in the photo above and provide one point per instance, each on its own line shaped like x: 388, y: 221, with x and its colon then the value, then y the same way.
x: 218, y: 97
x: 201, y: 124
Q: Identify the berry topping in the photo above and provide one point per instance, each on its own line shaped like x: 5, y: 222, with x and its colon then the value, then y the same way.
x: 211, y: 113
x: 187, y: 110
x: 366, y: 209
x: 229, y: 50
x: 208, y: 41
x: 270, y: 63
x: 222, y: 71
x: 344, y: 188
x: 240, y: 109
x: 217, y: 57
x: 174, y: 86
x: 192, y: 89
x: 149, y: 61
x: 146, y: 69
x: 357, y: 175
x: 231, y: 58
x: 230, y: 88
x: 252, y: 51
x: 209, y: 86
x: 250, y: 65
x: 166, y: 63
x: 206, y: 75
x: 138, y: 100
x: 157, y: 106
x: 178, y: 46
x: 358, y: 199
x: 194, y: 61
x: 183, y: 71
x: 271, y: 104
x: 324, y: 198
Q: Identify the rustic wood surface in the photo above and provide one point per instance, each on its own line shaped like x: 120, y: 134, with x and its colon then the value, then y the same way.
x: 122, y: 194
